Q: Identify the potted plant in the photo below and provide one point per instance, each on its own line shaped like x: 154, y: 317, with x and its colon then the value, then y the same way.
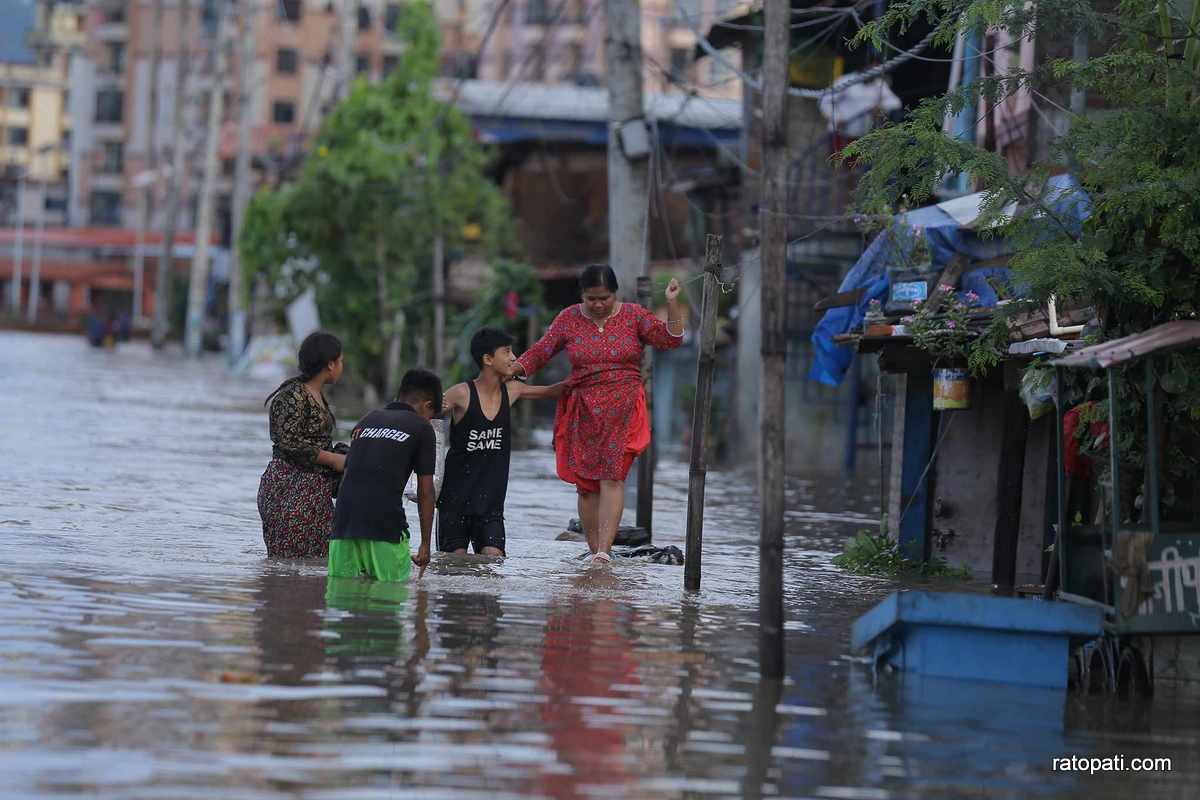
x: 943, y: 330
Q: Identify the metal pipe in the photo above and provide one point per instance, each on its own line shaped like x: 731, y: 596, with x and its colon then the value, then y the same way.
x: 1114, y: 456
x: 1059, y: 415
x: 1152, y: 488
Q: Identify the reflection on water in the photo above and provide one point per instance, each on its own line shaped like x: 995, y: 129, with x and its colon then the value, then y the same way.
x: 149, y: 650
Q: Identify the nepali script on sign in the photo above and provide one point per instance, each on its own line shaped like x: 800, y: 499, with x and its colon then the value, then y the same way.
x: 1177, y: 588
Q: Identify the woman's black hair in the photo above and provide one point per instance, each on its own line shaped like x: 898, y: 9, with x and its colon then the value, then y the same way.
x: 598, y: 275
x: 316, y: 351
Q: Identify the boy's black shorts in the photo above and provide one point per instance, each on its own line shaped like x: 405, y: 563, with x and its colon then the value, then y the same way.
x: 457, y: 531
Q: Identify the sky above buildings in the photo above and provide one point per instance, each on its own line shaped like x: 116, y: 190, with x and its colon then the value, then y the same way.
x: 16, y: 18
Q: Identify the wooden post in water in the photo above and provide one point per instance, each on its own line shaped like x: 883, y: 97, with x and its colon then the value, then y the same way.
x: 531, y: 336
x: 773, y: 254
x: 701, y: 412
x: 645, y: 473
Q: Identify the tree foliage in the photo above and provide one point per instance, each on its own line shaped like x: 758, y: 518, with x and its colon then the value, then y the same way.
x: 391, y: 169
x: 1135, y: 258
x: 491, y: 309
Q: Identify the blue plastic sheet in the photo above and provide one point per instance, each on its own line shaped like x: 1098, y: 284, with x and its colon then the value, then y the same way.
x: 944, y: 239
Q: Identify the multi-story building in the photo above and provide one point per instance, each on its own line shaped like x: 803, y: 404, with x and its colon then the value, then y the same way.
x: 562, y: 41
x: 34, y: 123
x: 300, y: 48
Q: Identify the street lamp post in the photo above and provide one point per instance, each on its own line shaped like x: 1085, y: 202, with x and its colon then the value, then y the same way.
x: 19, y: 247
x: 35, y: 271
x: 141, y: 181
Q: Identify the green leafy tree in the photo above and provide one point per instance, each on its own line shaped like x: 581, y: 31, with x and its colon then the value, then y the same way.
x: 491, y: 310
x: 1135, y: 258
x: 391, y: 170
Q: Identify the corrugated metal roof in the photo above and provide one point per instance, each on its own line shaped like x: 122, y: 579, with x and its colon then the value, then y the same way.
x: 569, y: 103
x: 1170, y: 336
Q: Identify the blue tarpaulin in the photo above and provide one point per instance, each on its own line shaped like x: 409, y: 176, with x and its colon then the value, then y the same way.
x: 945, y: 239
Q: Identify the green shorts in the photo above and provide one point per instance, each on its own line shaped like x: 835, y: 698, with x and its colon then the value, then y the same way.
x: 384, y: 561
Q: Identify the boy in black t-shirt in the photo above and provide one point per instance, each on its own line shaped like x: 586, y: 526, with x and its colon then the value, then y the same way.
x: 370, y: 533
x: 475, y: 480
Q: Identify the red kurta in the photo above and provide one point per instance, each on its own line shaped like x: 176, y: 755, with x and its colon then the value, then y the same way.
x: 601, y: 423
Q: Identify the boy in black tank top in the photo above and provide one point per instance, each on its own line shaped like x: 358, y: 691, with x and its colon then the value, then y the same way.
x: 475, y: 481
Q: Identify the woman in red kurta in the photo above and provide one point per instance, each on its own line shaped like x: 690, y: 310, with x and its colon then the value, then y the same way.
x: 601, y: 424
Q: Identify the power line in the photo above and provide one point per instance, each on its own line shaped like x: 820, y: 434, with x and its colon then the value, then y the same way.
x: 811, y: 94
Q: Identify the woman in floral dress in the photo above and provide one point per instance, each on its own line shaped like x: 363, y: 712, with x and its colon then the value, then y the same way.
x: 601, y: 424
x: 295, y: 493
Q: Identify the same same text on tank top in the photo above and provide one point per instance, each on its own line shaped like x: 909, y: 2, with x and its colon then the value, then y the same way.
x: 491, y: 439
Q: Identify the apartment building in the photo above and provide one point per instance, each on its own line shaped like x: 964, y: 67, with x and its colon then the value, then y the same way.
x: 305, y: 53
x: 35, y: 127
x: 123, y: 94
x: 562, y: 41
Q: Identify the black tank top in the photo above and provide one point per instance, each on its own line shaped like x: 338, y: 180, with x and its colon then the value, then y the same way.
x: 476, y: 472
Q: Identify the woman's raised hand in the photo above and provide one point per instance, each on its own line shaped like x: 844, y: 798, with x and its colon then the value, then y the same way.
x: 672, y: 292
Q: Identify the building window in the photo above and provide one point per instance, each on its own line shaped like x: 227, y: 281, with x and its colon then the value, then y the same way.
x: 114, y: 15
x: 289, y: 10
x: 106, y: 208
x: 283, y: 112
x: 391, y: 16
x: 109, y: 106
x: 680, y: 61
x: 18, y: 97
x: 286, y: 61
x: 389, y: 64
x: 537, y: 63
x: 362, y: 64
x: 537, y: 12
x: 114, y: 158
x: 18, y: 137
x: 116, y: 57
x: 574, y: 59
x: 364, y: 18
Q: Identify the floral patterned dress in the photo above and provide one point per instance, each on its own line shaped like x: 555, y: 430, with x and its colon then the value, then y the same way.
x: 295, y: 493
x: 601, y: 424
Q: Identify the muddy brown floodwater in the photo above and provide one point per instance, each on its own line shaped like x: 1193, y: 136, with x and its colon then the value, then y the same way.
x: 148, y: 649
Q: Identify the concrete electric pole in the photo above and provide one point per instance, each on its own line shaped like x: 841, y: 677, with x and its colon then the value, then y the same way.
x: 773, y: 251
x: 166, y: 259
x: 198, y: 286
x: 241, y: 180
x: 628, y: 144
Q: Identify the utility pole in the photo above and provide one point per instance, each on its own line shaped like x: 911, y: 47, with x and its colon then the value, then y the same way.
x: 439, y: 303
x: 166, y: 259
x: 773, y: 252
x: 241, y: 181
x: 645, y: 465
x: 146, y: 196
x: 19, y: 246
x: 628, y: 143
x: 198, y: 288
x: 701, y: 413
x: 35, y: 270
x: 347, y: 22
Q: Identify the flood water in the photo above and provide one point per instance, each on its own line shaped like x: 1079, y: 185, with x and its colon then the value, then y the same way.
x: 148, y: 649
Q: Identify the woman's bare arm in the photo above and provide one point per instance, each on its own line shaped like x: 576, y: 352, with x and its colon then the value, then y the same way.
x: 517, y: 390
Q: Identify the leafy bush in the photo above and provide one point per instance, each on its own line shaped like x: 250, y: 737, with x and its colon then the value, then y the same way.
x: 878, y: 555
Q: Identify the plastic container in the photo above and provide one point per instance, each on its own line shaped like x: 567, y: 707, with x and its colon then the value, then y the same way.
x: 951, y: 389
